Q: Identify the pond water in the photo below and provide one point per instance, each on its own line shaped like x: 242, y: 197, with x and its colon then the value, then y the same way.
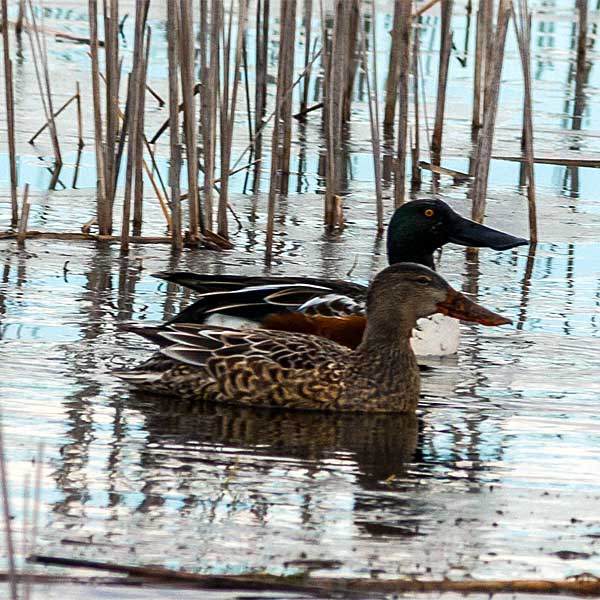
x: 496, y: 477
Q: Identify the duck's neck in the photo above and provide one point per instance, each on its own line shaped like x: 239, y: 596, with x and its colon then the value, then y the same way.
x: 386, y: 357
x: 403, y: 247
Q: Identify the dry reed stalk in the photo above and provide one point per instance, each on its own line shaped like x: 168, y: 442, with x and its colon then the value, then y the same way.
x: 10, y: 117
x: 175, y: 166
x: 139, y: 132
x: 391, y: 87
x: 288, y: 14
x: 127, y: 131
x: 479, y: 64
x: 260, y: 90
x: 523, y: 30
x: 22, y: 232
x: 103, y: 207
x: 352, y: 58
x: 373, y: 98
x: 582, y: 66
x: 111, y: 55
x: 187, y: 67
x: 248, y: 106
x: 214, y: 82
x: 404, y: 64
x: 334, y: 86
x: 10, y: 549
x: 208, y: 105
x: 228, y: 112
x: 484, y: 146
x: 307, y: 24
x: 136, y: 90
x: 289, y: 33
x: 415, y: 181
x: 444, y: 61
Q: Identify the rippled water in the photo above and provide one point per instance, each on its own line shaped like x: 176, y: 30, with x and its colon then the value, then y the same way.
x: 496, y: 477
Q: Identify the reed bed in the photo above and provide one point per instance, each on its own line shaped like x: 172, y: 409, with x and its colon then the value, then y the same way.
x: 209, y: 50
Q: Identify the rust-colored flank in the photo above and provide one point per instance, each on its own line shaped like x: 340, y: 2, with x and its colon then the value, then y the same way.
x: 347, y: 331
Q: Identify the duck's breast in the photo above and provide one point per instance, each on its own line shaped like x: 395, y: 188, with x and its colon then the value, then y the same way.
x: 437, y: 335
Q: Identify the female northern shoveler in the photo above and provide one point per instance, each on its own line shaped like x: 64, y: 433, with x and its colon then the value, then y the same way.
x: 307, y: 304
x: 293, y: 370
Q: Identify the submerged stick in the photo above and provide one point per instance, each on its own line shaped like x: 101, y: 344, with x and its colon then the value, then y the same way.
x: 328, y: 586
x: 484, y: 147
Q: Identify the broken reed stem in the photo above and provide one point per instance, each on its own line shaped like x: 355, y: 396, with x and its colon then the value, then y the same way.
x: 523, y: 30
x: 10, y: 549
x: 404, y: 63
x: 22, y: 232
x: 445, y: 48
x: 103, y: 207
x: 373, y: 99
x: 10, y: 117
x: 187, y: 68
x: 56, y: 114
x: 260, y: 92
x: 286, y: 41
x: 175, y: 165
x: 484, y: 146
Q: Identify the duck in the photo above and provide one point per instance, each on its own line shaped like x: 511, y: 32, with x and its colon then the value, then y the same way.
x: 322, y: 306
x: 281, y: 369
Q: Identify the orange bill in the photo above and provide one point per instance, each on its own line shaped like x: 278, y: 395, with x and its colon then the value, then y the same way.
x: 459, y: 306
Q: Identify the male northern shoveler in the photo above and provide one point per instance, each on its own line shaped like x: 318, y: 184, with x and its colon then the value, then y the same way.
x: 294, y: 370
x: 314, y: 305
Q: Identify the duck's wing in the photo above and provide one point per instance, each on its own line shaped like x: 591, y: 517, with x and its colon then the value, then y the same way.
x: 253, y: 303
x: 256, y: 367
x: 256, y: 302
x: 206, y: 283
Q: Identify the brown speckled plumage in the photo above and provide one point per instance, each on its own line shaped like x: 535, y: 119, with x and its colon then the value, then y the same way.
x: 300, y: 371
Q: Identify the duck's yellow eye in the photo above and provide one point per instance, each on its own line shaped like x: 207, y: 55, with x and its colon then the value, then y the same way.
x: 429, y: 212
